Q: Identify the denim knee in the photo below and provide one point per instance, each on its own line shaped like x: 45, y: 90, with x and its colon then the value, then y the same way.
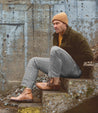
x: 32, y: 61
x: 54, y: 49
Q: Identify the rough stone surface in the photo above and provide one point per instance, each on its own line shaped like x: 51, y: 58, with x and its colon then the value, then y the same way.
x: 95, y: 74
x: 7, y: 110
x: 59, y: 102
x: 30, y: 108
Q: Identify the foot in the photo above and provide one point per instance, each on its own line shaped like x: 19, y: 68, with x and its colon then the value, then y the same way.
x: 25, y: 96
x: 49, y: 85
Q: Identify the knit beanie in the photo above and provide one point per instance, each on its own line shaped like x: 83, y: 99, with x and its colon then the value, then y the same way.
x: 61, y: 17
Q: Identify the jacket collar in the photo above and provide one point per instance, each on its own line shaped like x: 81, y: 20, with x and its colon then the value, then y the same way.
x: 65, y: 34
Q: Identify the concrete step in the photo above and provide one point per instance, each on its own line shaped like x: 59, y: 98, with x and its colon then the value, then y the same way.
x: 30, y: 108
x: 77, y: 91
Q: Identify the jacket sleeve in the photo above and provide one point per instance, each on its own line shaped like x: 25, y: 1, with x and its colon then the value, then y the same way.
x: 82, y: 47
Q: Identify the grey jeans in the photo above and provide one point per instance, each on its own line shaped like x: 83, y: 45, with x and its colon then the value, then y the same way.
x: 60, y: 64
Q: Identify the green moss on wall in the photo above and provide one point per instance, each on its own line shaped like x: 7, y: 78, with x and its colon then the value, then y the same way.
x: 29, y: 110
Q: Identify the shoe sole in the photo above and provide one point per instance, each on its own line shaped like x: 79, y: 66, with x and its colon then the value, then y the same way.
x: 27, y: 101
x: 49, y: 89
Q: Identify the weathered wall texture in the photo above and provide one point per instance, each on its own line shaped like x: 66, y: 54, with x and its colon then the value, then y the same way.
x: 26, y: 31
x: 15, y: 29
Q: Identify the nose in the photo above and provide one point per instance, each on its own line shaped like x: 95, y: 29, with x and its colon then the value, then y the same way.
x: 55, y: 25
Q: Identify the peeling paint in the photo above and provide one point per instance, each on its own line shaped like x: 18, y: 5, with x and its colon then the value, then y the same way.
x: 13, y: 27
x: 10, y: 36
x: 81, y: 14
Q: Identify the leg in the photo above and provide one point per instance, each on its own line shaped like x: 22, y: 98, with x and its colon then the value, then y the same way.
x: 62, y: 64
x: 30, y: 76
x: 31, y: 72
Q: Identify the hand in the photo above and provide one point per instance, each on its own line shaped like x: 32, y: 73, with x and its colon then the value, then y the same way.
x: 89, y: 63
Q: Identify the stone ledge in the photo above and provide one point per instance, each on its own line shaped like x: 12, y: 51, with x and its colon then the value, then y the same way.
x: 77, y: 91
x: 79, y: 85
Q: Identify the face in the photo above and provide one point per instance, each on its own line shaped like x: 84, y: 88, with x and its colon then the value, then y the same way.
x: 59, y: 26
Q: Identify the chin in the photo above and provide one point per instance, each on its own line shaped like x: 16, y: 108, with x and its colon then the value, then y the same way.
x: 56, y: 31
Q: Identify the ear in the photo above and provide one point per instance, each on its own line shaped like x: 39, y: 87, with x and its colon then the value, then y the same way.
x: 65, y: 25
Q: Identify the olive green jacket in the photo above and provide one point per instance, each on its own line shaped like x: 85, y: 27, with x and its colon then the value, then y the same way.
x: 76, y: 45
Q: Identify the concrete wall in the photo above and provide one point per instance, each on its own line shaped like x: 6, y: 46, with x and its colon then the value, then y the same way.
x: 15, y: 32
x: 26, y: 31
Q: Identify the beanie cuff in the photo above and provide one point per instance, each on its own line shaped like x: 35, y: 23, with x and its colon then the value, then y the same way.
x: 61, y: 17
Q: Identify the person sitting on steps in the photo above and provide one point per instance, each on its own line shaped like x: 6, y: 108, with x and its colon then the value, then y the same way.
x: 67, y: 55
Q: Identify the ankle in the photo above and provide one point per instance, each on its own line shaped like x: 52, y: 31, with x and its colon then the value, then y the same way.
x: 56, y: 80
x: 28, y: 88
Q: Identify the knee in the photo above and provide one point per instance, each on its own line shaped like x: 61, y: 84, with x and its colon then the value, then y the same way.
x: 54, y: 49
x: 32, y: 60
